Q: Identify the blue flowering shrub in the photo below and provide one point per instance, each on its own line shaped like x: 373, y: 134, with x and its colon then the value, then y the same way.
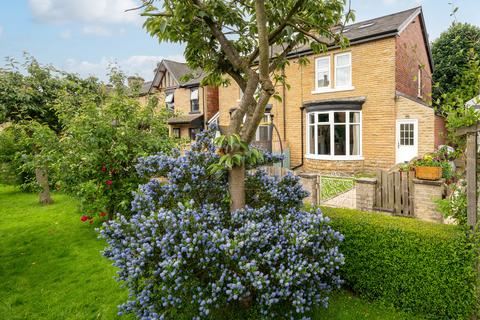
x: 183, y: 255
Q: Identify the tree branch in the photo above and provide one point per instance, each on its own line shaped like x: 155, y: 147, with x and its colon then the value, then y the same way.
x: 273, y: 37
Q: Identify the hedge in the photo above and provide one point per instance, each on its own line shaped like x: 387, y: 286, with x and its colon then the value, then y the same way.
x: 417, y: 266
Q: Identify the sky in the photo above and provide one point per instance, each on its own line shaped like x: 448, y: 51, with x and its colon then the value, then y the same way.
x: 86, y: 36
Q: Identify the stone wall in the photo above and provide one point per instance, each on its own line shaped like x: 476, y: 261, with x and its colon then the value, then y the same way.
x: 425, y: 195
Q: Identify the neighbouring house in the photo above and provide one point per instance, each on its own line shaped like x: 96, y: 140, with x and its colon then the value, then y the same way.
x: 178, y: 88
x: 357, y: 109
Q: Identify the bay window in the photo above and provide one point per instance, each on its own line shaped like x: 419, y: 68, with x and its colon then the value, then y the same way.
x: 334, y: 135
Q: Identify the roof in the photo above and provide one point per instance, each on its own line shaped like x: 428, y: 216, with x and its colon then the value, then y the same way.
x: 378, y: 28
x: 192, y: 119
x: 178, y: 70
x: 145, y: 89
x: 350, y: 103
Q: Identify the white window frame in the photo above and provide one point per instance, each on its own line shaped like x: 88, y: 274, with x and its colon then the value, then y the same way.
x: 266, y: 122
x: 327, y: 88
x: 331, y: 123
x: 419, y: 82
x: 349, y: 85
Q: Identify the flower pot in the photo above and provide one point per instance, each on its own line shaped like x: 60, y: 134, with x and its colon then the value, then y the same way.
x: 428, y: 173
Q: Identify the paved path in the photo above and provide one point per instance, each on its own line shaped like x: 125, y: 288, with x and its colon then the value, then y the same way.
x: 345, y: 200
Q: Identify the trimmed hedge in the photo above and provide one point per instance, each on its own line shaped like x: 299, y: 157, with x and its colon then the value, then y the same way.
x: 417, y: 266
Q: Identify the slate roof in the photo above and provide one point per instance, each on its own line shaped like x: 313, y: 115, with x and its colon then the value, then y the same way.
x: 192, y: 119
x: 145, y: 88
x: 180, y: 69
x: 377, y: 28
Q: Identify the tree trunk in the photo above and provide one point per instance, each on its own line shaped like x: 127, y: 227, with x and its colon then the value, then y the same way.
x: 42, y: 180
x: 236, y: 186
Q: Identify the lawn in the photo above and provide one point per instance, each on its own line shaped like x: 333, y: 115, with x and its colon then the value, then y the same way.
x: 51, y: 267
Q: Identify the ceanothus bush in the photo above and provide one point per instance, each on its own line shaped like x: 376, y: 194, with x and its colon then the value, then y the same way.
x: 182, y: 252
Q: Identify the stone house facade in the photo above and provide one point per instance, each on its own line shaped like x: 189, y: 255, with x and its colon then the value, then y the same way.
x: 360, y: 108
x: 177, y: 87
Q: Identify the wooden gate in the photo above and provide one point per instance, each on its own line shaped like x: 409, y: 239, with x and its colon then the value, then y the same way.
x: 394, y: 192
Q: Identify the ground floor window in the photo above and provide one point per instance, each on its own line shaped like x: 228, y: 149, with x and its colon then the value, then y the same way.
x: 264, y: 132
x: 193, y: 133
x: 334, y: 134
x: 176, y: 132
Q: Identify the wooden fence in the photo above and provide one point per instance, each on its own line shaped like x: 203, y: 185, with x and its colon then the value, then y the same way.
x: 394, y: 192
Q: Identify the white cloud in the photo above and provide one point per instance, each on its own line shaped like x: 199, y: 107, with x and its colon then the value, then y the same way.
x: 133, y: 65
x: 96, y: 31
x: 97, y: 11
x: 66, y: 34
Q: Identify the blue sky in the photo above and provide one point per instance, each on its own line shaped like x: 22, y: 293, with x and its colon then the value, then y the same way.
x: 85, y: 36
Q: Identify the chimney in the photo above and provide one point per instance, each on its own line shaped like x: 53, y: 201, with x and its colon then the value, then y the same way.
x: 135, y: 81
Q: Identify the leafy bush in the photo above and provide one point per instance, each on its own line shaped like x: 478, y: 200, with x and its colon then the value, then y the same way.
x: 417, y: 266
x: 103, y: 136
x: 455, y: 206
x: 182, y: 254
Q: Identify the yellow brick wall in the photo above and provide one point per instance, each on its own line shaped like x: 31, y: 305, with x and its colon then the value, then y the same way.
x: 373, y: 76
x: 409, y: 109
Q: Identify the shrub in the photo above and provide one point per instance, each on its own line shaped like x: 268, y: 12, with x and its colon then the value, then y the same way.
x: 416, y: 266
x: 182, y: 254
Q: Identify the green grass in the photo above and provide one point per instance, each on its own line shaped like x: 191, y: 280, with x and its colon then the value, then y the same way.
x: 51, y: 267
x: 333, y: 186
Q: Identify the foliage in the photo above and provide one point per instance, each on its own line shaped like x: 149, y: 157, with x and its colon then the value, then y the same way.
x: 440, y: 158
x: 51, y: 267
x: 451, y: 54
x: 27, y: 145
x: 417, y: 266
x: 183, y: 253
x: 103, y: 135
x: 455, y: 206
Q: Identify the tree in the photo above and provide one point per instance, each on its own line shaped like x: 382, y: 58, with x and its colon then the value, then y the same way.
x: 452, y: 53
x: 234, y: 38
x: 103, y: 134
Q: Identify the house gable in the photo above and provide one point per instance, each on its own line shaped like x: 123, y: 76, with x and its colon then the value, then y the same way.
x: 414, y: 66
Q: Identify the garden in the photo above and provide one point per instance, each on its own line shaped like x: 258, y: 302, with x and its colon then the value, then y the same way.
x: 106, y: 216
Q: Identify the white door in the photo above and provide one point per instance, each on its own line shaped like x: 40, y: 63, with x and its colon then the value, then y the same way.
x: 407, y: 140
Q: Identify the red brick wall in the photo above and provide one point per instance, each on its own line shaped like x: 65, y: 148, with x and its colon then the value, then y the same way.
x: 211, y: 96
x: 440, y: 131
x: 411, y: 52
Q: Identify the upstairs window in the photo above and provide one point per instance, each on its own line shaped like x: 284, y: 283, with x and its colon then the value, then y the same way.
x: 419, y: 82
x: 194, y: 107
x: 322, y: 73
x: 169, y: 100
x: 343, y: 70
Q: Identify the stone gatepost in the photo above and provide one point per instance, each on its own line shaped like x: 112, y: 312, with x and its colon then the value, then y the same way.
x: 425, y: 195
x: 309, y: 183
x: 365, y: 193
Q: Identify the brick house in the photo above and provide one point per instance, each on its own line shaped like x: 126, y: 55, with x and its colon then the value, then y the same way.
x: 357, y: 109
x: 194, y: 105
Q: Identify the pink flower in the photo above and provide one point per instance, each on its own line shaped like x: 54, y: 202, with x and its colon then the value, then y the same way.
x: 84, y: 218
x: 109, y: 182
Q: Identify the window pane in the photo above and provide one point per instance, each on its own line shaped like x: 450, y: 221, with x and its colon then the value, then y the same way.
x: 263, y: 133
x: 343, y: 76
x: 339, y: 117
x: 354, y: 117
x: 323, y: 64
x: 323, y: 117
x: 312, y: 139
x: 355, y: 140
x: 340, y: 138
x: 343, y: 60
x: 323, y: 79
x: 311, y: 118
x: 324, y: 139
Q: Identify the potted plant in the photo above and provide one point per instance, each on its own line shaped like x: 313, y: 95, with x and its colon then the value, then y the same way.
x: 428, y: 168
